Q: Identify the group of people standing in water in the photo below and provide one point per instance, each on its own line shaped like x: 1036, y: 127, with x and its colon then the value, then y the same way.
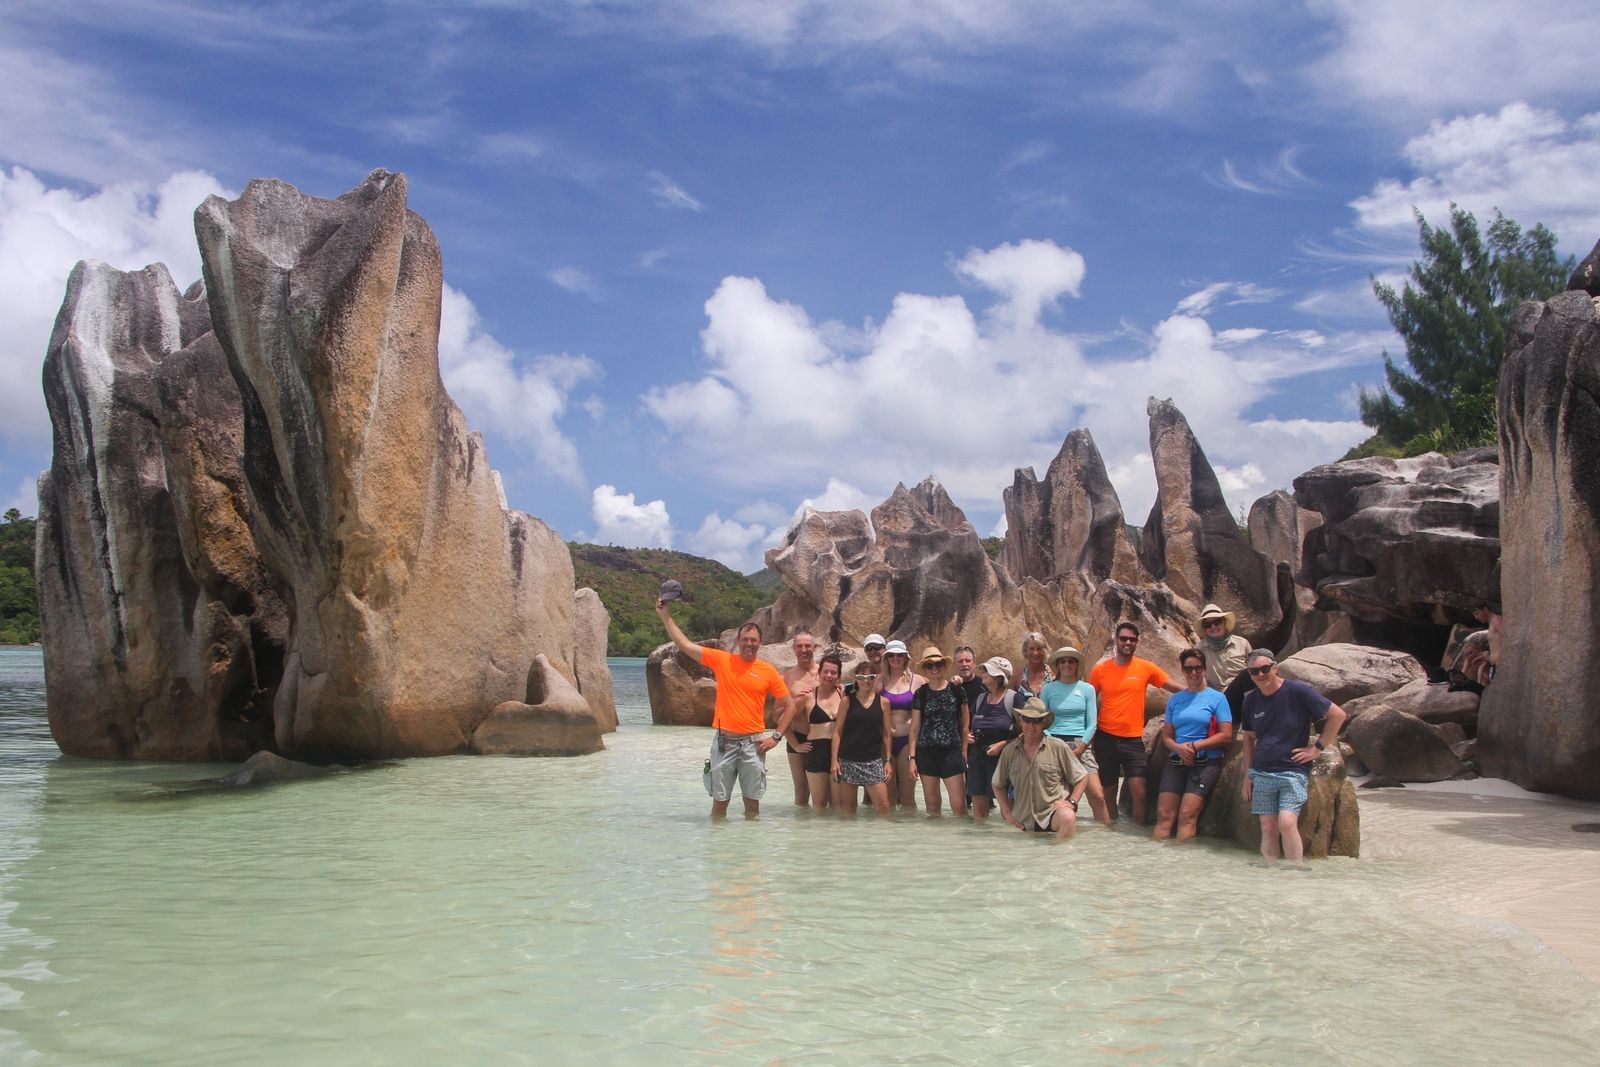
x: 1033, y: 740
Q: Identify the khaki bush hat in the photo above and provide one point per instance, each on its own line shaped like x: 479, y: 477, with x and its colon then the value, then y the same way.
x: 1067, y: 652
x: 999, y: 667
x: 1031, y: 709
x: 1211, y: 611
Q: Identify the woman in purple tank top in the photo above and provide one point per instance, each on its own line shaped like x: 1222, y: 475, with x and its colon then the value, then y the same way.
x: 899, y: 686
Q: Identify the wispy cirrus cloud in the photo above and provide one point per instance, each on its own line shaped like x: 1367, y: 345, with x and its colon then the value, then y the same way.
x: 575, y: 280
x: 669, y: 193
x: 1280, y: 176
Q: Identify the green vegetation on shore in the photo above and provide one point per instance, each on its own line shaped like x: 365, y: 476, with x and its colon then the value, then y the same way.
x: 19, y: 598
x: 1454, y: 311
x: 628, y: 580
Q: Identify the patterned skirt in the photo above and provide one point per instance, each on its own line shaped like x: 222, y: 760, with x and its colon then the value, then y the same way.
x: 867, y: 772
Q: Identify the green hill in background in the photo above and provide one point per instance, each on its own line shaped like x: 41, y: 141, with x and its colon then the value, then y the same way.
x: 628, y: 580
x: 19, y: 602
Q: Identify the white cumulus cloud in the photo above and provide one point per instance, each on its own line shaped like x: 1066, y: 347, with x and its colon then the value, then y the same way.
x: 619, y: 520
x: 521, y: 400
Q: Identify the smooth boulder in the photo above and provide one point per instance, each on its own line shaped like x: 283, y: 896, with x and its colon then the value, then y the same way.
x: 1398, y: 745
x: 1344, y: 672
x: 1330, y: 822
x: 555, y: 721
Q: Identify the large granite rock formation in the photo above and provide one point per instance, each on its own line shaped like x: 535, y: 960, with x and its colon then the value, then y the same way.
x: 266, y: 524
x: 1411, y: 541
x: 1069, y: 523
x: 1538, y: 724
x: 1192, y: 543
x: 1330, y: 822
x: 591, y: 624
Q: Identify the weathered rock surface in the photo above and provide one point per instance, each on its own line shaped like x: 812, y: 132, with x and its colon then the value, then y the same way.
x: 682, y: 692
x: 556, y: 720
x: 591, y: 624
x: 1413, y: 541
x: 265, y: 768
x: 266, y: 524
x: 1192, y: 543
x: 1069, y: 523
x: 1538, y: 725
x: 1432, y: 702
x: 1278, y: 527
x: 1345, y: 672
x: 1397, y: 745
x: 1330, y: 823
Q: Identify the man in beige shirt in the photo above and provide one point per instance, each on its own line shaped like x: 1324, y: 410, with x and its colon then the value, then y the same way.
x: 1047, y: 777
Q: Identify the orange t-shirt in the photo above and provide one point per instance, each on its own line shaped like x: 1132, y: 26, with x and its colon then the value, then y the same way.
x: 1121, y: 694
x: 742, y: 690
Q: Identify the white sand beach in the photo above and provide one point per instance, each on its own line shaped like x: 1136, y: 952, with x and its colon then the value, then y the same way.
x: 1498, y: 853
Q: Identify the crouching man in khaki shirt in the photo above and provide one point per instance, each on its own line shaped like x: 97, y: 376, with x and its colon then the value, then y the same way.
x: 1047, y: 777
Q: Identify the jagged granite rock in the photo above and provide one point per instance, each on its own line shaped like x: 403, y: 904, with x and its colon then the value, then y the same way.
x: 1278, y: 527
x: 1345, y: 672
x: 1538, y: 725
x: 1192, y: 543
x: 1395, y: 744
x: 591, y: 624
x: 556, y: 720
x: 1069, y: 523
x: 1330, y: 822
x: 161, y: 636
x: 1414, y: 541
x: 266, y: 524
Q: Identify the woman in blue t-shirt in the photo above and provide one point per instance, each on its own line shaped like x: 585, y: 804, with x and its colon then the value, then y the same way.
x: 1073, y: 701
x: 1197, y: 734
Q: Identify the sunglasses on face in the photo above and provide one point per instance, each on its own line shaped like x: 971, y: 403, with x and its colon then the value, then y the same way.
x: 1194, y: 668
x: 1213, y: 623
x: 1257, y: 672
x: 1129, y: 640
x: 865, y: 677
x: 933, y: 666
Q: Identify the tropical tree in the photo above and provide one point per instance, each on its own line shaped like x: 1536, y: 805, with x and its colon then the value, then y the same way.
x: 1453, y: 312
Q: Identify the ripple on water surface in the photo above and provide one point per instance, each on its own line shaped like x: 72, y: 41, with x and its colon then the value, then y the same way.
x: 474, y: 910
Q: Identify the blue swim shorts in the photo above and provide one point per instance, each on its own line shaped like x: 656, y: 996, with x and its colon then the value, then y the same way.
x: 1275, y: 791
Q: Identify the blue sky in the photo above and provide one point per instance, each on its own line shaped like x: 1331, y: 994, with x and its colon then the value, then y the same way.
x: 708, y: 261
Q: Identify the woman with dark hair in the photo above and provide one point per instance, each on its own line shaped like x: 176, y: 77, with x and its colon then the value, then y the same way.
x: 992, y: 727
x: 827, y: 701
x: 1198, y: 731
x: 862, y: 758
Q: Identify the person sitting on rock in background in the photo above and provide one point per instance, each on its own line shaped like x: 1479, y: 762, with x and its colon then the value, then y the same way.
x: 1495, y: 623
x: 1119, y: 684
x: 802, y: 682
x: 825, y: 704
x: 940, y: 719
x: 992, y: 727
x: 1072, y: 701
x: 966, y: 675
x: 741, y: 740
x: 1047, y: 778
x: 1196, y: 736
x: 1224, y: 650
x: 1277, y: 721
x: 861, y: 751
x: 898, y: 684
x: 1033, y: 675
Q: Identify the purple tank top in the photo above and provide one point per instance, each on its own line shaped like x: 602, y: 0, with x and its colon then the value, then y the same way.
x: 901, y: 701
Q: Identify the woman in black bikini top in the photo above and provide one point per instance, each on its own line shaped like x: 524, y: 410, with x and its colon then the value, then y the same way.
x: 826, y: 705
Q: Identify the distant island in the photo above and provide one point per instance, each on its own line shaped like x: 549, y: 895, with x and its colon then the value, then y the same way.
x: 628, y: 580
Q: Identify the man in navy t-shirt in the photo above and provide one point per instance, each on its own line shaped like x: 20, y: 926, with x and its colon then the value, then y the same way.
x: 1276, y: 724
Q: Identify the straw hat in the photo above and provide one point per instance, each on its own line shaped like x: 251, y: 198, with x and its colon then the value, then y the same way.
x: 1211, y: 611
x: 931, y: 654
x: 1067, y: 652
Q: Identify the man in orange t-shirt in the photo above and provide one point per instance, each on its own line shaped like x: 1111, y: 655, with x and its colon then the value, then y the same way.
x: 1119, y: 685
x: 741, y: 742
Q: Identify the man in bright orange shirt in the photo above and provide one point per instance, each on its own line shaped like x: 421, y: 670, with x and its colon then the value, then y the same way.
x: 741, y: 742
x: 1119, y: 685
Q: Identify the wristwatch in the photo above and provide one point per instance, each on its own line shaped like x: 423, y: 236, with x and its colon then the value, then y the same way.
x: 1318, y: 743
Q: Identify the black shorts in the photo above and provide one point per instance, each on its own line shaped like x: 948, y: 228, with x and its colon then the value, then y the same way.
x: 1118, y: 755
x: 820, y: 759
x: 940, y: 761
x: 1199, y: 778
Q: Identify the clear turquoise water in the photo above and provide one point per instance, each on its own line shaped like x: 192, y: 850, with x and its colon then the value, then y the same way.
x: 503, y: 911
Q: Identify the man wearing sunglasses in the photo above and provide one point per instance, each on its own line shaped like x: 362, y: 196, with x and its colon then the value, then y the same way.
x: 1119, y: 685
x: 1277, y: 721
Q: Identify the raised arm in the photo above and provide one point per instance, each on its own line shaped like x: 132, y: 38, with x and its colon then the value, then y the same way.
x: 675, y: 635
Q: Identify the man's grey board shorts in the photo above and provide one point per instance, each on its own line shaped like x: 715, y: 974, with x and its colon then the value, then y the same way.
x: 735, y: 756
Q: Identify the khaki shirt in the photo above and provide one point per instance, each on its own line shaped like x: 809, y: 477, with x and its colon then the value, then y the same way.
x: 1041, y: 781
x: 1223, y: 667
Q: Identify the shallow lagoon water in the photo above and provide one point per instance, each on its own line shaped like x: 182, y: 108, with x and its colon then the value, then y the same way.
x: 502, y: 910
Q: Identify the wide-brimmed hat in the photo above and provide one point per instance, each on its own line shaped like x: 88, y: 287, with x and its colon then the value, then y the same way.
x: 872, y: 639
x: 999, y: 667
x: 1033, y: 708
x: 1067, y: 652
x: 1211, y: 611
x: 896, y: 648
x: 931, y: 654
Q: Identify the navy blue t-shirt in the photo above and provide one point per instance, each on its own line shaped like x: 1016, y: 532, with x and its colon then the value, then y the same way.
x: 1282, y: 723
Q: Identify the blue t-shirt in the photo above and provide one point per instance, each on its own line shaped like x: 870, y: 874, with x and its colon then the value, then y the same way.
x: 1075, y: 708
x: 1189, y: 715
x: 1282, y: 723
